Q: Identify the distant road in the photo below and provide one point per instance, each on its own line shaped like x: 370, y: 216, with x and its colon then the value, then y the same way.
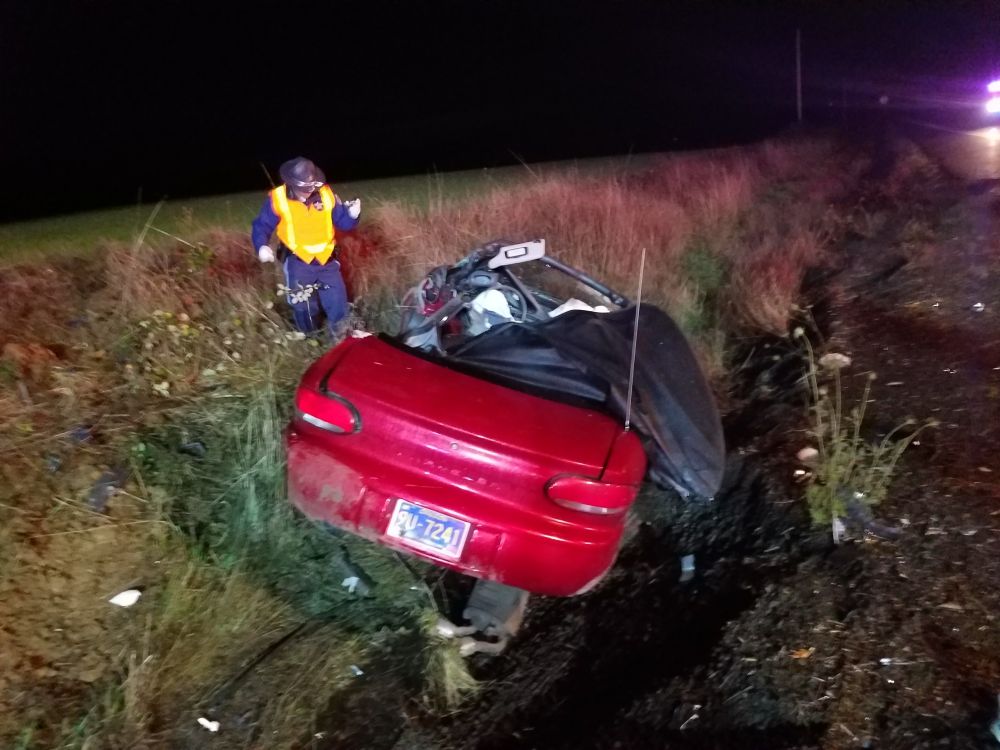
x: 972, y: 154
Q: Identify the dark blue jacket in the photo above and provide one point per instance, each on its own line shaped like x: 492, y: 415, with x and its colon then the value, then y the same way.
x: 267, y: 221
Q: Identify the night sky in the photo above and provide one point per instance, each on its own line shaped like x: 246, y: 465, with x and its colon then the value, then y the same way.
x: 102, y: 100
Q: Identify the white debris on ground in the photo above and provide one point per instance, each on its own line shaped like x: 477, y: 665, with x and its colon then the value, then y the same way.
x: 687, y: 568
x: 447, y: 629
x: 126, y: 598
x: 350, y: 583
x: 839, y: 530
x: 211, y: 726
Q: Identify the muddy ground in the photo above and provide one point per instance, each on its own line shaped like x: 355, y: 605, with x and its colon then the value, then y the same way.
x: 781, y: 639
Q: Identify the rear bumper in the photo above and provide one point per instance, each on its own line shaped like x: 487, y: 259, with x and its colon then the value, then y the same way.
x: 544, y: 555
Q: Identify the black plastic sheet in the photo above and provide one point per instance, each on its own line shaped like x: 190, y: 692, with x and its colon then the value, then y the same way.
x: 585, y: 356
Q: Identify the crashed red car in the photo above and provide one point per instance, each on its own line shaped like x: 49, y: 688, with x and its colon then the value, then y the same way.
x: 489, y: 436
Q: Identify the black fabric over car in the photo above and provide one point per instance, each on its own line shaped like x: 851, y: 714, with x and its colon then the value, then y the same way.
x: 586, y: 355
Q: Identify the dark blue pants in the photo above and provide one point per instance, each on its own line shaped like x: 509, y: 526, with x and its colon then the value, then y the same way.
x: 315, y: 290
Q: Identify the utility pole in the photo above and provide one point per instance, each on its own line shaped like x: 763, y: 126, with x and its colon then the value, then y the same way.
x: 798, y: 74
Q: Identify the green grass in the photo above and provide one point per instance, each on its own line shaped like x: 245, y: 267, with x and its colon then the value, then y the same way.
x: 232, y: 510
x: 82, y: 233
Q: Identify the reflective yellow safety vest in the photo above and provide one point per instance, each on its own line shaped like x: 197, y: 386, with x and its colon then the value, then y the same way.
x: 306, y: 231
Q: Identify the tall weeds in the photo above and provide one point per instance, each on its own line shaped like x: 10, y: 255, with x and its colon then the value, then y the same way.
x: 739, y: 210
x: 851, y: 468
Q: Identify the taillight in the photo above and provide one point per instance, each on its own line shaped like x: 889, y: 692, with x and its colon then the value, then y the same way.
x: 590, y: 495
x: 327, y: 411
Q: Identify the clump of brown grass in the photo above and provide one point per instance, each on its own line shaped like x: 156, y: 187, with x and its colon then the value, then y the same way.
x: 767, y: 278
x: 448, y: 679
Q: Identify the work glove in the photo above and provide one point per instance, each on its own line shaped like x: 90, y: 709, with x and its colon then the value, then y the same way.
x: 265, y: 254
x: 353, y: 208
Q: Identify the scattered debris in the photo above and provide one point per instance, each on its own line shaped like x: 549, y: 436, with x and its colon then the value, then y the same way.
x: 888, y: 661
x: 105, y: 487
x: 834, y: 361
x: 448, y: 629
x: 860, y: 513
x: 979, y: 307
x: 838, y: 530
x: 126, y: 598
x: 358, y: 334
x: 687, y: 568
x: 195, y: 448
x: 356, y: 670
x: 894, y: 383
x: 986, y: 469
x: 355, y: 580
x: 468, y: 646
x: 803, y: 653
x: 211, y: 726
x: 955, y: 606
x: 692, y: 717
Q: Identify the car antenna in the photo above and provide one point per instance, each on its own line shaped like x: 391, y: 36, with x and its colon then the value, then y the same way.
x: 635, y: 337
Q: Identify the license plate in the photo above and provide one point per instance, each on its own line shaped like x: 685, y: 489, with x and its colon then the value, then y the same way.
x: 427, y: 529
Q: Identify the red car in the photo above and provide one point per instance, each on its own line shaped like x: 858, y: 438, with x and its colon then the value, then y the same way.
x: 481, y: 440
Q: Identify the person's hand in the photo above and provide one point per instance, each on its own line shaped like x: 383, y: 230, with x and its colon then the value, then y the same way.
x: 265, y: 254
x: 353, y: 208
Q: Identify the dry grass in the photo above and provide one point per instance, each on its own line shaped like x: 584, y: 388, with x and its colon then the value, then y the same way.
x: 723, y: 205
x: 448, y: 680
x: 207, y: 622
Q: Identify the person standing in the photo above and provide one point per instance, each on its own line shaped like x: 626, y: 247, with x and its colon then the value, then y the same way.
x: 306, y: 214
